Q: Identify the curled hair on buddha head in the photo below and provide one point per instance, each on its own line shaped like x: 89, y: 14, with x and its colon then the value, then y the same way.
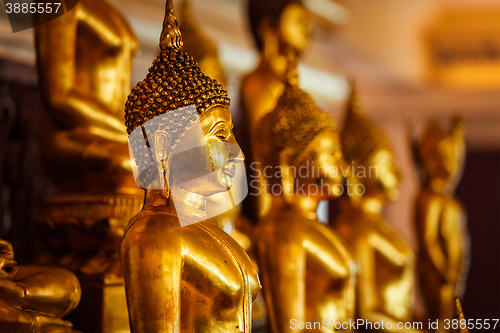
x: 293, y: 124
x: 174, y: 83
x: 360, y: 137
x: 260, y: 10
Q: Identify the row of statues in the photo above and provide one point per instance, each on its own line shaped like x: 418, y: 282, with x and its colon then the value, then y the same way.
x: 142, y: 270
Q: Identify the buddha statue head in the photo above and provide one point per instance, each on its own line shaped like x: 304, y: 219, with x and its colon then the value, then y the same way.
x: 279, y: 25
x: 179, y: 124
x: 299, y: 146
x: 442, y: 153
x: 200, y: 47
x: 368, y: 151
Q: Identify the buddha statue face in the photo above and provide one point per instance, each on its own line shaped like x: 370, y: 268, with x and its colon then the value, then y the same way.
x: 203, y: 162
x: 443, y: 155
x: 295, y: 27
x: 323, y: 160
x: 383, y: 176
x: 280, y: 24
x: 369, y: 150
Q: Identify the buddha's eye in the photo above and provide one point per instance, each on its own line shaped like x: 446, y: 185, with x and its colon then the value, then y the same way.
x: 222, y: 134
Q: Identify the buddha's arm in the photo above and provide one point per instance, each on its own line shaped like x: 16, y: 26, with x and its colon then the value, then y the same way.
x: 369, y: 299
x: 56, y: 55
x: 49, y: 290
x: 331, y: 258
x: 457, y: 244
x: 14, y: 320
x: 152, y: 273
x: 428, y: 220
x: 282, y: 268
x: 388, y: 250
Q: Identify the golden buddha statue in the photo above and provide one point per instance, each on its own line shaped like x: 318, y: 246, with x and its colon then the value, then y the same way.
x: 441, y: 220
x: 280, y: 28
x: 385, y: 284
x: 84, y: 64
x: 307, y: 273
x: 183, y: 277
x: 202, y: 49
x: 35, y: 298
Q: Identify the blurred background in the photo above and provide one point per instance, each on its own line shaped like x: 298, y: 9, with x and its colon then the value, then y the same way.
x: 411, y: 59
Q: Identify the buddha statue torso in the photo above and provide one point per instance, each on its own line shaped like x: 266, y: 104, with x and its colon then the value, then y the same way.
x: 441, y: 221
x: 385, y: 281
x: 307, y: 272
x: 210, y: 279
x: 84, y: 61
x: 385, y: 288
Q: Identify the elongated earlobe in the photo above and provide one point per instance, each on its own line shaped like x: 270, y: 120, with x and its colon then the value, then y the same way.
x: 161, y: 146
x: 287, y: 180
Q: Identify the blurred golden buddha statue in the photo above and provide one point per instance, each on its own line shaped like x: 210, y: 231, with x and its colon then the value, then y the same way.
x: 279, y: 28
x: 441, y: 220
x: 200, y: 47
x: 385, y: 285
x: 307, y: 273
x: 84, y: 64
x: 33, y: 299
x: 182, y: 272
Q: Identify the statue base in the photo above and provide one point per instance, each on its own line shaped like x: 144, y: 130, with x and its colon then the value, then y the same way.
x: 103, y: 308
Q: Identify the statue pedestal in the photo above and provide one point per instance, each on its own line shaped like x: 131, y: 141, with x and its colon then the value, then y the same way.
x: 83, y: 234
x: 103, y: 308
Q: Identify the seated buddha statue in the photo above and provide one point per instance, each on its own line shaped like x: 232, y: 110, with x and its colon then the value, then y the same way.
x: 182, y: 272
x: 279, y: 28
x: 33, y: 299
x: 306, y: 270
x: 387, y: 265
x: 441, y: 220
x: 84, y: 65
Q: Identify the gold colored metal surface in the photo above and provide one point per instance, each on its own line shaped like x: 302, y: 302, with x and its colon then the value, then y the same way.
x: 441, y: 220
x: 458, y: 314
x: 200, y: 47
x: 84, y: 64
x: 195, y: 278
x: 33, y: 299
x: 307, y: 273
x: 279, y: 28
x: 386, y: 278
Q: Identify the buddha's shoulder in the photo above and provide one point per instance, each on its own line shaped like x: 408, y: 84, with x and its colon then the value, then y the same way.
x: 283, y: 226
x: 154, y: 224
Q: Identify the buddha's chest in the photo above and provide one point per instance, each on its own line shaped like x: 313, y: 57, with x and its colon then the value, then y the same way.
x: 219, y: 283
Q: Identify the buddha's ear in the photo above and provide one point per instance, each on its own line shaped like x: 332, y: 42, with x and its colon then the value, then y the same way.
x: 287, y: 180
x: 161, y: 144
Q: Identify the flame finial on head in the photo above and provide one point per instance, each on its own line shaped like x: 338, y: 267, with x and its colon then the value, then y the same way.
x: 170, y: 35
